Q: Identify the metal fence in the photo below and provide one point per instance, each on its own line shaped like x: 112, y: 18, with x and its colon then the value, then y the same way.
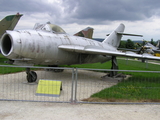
x: 82, y: 85
x: 128, y: 87
x: 14, y: 86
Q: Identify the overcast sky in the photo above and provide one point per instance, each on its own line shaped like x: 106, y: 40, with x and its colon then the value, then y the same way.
x: 139, y: 16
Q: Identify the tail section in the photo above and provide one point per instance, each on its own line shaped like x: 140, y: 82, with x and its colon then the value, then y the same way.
x: 114, y: 38
x: 87, y: 33
x: 9, y: 23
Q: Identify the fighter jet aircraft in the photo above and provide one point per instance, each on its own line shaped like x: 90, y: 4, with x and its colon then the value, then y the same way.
x: 9, y: 23
x: 48, y: 44
x: 151, y: 49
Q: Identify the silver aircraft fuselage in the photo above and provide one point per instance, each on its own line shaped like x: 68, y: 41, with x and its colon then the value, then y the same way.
x: 41, y: 47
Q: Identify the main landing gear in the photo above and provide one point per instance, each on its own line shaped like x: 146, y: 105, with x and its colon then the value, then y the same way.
x: 114, y: 67
x: 31, y: 75
x: 113, y: 74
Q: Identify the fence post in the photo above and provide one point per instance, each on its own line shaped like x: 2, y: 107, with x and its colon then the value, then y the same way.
x: 72, y: 86
x: 75, y: 96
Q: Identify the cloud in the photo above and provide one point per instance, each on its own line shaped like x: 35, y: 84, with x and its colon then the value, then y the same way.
x: 85, y: 12
x: 109, y: 10
x: 74, y: 15
x: 26, y: 6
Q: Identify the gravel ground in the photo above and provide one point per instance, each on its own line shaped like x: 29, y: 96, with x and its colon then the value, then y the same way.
x: 10, y: 110
x: 14, y: 86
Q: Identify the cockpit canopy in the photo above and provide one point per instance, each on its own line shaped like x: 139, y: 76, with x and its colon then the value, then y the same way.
x: 49, y: 28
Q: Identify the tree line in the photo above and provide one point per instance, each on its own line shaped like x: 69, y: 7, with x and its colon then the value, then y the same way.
x: 132, y: 45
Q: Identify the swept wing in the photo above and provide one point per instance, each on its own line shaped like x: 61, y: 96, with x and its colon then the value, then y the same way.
x: 101, y: 51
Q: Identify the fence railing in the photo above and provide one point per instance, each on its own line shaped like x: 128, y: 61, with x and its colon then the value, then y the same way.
x: 82, y: 85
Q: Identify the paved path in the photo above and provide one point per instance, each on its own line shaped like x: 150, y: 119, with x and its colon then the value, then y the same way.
x: 10, y: 110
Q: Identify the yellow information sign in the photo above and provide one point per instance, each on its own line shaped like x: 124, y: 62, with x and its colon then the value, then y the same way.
x: 49, y: 88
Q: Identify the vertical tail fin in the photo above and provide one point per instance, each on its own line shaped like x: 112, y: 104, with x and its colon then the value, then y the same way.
x: 114, y: 38
x: 9, y: 23
x: 87, y: 33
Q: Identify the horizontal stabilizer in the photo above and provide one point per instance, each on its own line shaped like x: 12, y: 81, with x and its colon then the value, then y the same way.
x: 121, y: 33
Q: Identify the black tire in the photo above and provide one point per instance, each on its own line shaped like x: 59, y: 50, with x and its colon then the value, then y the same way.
x: 31, y: 77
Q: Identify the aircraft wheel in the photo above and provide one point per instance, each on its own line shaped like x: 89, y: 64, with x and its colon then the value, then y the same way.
x: 31, y: 76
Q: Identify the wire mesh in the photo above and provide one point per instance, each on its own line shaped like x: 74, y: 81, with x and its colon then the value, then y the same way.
x: 14, y: 86
x: 82, y: 85
x: 129, y: 86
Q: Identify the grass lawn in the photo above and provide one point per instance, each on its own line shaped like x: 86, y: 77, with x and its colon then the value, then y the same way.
x: 123, y: 65
x: 141, y: 87
x: 135, y: 89
x: 6, y: 70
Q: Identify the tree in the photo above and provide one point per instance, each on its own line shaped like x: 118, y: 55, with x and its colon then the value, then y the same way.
x: 122, y: 44
x: 130, y: 44
x: 152, y: 42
